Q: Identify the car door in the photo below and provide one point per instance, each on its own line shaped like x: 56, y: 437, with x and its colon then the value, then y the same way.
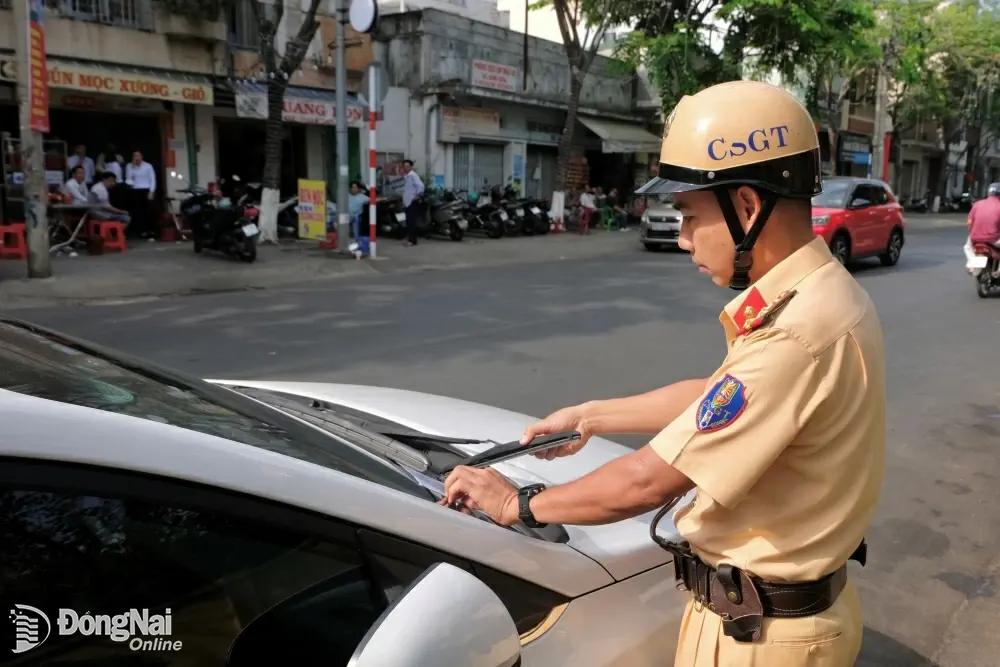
x: 887, y: 216
x: 860, y: 218
x: 230, y: 580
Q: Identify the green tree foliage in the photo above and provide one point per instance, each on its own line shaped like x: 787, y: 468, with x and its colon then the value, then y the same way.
x: 686, y: 46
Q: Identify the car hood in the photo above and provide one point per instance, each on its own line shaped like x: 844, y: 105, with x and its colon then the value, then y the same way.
x: 623, y: 549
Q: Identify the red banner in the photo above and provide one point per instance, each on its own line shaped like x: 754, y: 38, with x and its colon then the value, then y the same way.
x: 38, y: 75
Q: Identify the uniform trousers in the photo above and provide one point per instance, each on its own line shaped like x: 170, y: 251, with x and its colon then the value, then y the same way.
x: 829, y: 639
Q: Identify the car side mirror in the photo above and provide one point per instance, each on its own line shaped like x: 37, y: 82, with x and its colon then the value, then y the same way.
x: 446, y: 617
x: 860, y: 203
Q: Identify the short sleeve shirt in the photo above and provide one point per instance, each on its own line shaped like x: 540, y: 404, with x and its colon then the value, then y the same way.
x: 985, y: 217
x: 787, y: 445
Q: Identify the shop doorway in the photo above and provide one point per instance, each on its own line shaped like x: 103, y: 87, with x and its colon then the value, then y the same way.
x: 241, y: 151
x: 611, y: 170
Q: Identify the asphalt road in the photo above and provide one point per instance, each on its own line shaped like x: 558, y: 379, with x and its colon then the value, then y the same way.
x: 533, y: 338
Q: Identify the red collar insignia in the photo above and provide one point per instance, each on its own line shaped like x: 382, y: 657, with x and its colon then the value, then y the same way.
x: 748, y: 310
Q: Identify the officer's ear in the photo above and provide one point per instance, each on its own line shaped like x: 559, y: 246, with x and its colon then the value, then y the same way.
x: 748, y: 205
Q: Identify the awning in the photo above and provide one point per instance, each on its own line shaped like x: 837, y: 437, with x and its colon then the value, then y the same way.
x: 306, y: 106
x: 621, y: 137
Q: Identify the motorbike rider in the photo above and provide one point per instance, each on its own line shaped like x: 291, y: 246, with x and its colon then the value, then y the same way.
x: 983, y: 223
x: 785, y: 442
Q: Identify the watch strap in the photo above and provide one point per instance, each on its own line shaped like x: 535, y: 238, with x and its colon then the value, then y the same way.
x: 524, y: 497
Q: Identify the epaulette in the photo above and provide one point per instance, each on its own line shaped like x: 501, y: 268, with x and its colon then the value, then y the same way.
x: 768, y: 312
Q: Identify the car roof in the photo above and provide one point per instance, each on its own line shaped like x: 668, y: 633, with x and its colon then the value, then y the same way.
x: 857, y: 180
x: 41, y: 429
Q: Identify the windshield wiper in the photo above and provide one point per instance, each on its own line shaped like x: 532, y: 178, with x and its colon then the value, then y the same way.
x: 376, y: 443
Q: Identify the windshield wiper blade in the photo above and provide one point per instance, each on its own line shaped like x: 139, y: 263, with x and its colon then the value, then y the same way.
x: 439, y: 439
x: 374, y: 442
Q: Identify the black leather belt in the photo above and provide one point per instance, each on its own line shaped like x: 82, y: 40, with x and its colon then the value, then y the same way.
x: 742, y: 600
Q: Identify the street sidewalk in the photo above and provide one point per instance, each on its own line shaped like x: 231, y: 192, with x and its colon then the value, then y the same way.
x: 162, y: 269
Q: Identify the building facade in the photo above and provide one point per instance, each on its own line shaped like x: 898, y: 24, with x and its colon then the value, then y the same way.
x: 189, y: 94
x: 471, y: 111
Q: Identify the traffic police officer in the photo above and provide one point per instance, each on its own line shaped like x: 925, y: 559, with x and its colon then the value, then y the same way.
x: 784, y: 443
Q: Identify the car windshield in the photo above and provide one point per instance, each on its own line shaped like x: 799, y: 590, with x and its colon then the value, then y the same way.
x: 834, y: 194
x: 42, y: 364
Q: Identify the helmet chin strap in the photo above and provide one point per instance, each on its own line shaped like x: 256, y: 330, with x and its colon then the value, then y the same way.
x: 744, y: 240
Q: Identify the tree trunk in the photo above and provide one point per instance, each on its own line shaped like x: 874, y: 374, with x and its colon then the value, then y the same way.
x: 274, y: 137
x: 566, y: 140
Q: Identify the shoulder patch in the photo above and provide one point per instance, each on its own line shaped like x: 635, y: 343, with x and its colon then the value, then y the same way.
x: 723, y: 405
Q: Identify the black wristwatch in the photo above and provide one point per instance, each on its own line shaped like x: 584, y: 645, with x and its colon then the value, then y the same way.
x: 524, y: 496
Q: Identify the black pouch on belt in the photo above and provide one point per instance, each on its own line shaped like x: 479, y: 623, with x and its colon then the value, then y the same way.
x: 743, y: 601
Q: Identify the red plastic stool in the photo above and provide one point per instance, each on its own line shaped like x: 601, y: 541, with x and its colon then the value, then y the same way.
x: 113, y: 234
x: 330, y: 243
x: 15, y: 242
x: 93, y: 227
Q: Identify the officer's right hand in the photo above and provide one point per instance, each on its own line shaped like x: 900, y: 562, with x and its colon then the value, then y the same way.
x: 567, y: 419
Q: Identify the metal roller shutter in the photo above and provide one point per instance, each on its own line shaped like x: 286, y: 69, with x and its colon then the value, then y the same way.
x: 461, y: 164
x: 487, y: 165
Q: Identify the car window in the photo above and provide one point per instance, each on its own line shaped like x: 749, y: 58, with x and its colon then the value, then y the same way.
x: 881, y: 195
x: 834, y: 195
x: 863, y: 192
x: 206, y: 588
x: 40, y: 364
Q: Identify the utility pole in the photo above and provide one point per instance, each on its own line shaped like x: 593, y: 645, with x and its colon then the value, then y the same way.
x: 343, y: 212
x: 33, y: 108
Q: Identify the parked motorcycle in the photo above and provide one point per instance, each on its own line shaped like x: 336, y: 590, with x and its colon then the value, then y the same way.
x: 478, y: 212
x: 536, y: 216
x: 217, y: 223
x: 444, y: 216
x: 987, y: 262
x: 288, y: 217
x: 514, y: 221
x: 495, y: 218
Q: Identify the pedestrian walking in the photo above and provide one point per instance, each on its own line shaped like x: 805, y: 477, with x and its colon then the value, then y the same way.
x: 784, y: 443
x: 413, y: 192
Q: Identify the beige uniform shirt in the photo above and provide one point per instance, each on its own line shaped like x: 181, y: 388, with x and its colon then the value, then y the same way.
x: 787, y: 446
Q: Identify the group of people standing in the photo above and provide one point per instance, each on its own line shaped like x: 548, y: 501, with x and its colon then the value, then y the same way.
x: 121, y: 191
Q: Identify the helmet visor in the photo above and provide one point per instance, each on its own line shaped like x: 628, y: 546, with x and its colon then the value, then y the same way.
x: 663, y: 186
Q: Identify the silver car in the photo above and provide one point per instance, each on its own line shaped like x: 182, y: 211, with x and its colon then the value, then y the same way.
x: 661, y: 223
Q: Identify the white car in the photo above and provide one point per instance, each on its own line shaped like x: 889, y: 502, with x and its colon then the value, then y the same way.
x: 660, y: 226
x: 292, y: 523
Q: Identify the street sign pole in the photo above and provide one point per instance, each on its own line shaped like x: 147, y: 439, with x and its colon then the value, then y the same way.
x: 33, y: 105
x: 372, y: 118
x: 343, y: 211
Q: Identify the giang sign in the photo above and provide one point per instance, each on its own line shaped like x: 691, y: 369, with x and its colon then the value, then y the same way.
x: 295, y: 109
x: 87, y: 79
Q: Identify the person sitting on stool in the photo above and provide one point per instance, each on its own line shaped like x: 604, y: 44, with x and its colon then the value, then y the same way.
x: 101, y: 194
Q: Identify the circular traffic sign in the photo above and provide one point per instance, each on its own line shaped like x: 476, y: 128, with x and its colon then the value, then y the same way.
x: 363, y: 15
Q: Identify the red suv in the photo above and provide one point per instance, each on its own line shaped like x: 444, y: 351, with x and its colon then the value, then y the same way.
x: 859, y: 217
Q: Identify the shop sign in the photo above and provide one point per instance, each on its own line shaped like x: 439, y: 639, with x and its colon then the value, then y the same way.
x: 312, y: 209
x: 97, y: 80
x: 38, y: 90
x: 301, y: 110
x: 494, y: 75
x: 457, y: 122
x: 855, y: 149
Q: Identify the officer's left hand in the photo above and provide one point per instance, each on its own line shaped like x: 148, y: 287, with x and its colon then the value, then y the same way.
x: 484, y: 490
